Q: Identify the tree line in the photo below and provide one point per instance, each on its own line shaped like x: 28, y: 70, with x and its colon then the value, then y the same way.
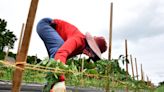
x: 7, y: 39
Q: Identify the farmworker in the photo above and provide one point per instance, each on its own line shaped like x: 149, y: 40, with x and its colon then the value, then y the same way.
x: 63, y: 41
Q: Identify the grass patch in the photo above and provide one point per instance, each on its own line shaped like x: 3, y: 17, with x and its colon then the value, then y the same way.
x: 160, y: 89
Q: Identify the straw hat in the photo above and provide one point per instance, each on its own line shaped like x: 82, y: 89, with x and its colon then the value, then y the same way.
x: 97, y: 44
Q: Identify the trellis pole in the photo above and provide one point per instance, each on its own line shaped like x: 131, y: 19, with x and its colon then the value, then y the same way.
x: 131, y: 59
x: 7, y: 52
x: 8, y: 47
x: 110, y: 46
x: 126, y: 58
x: 20, y: 38
x: 110, y: 32
x: 22, y: 55
x: 136, y: 68
x: 142, y: 74
x: 147, y: 80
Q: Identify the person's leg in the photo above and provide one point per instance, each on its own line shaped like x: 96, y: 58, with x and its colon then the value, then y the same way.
x: 53, y: 42
x: 50, y: 37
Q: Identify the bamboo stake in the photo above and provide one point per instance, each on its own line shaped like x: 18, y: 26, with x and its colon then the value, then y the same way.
x: 36, y: 58
x: 141, y: 73
x: 110, y: 32
x: 82, y: 65
x: 22, y: 55
x: 110, y: 46
x: 147, y: 80
x: 136, y: 68
x: 126, y: 58
x: 82, y: 69
x: 7, y: 52
x: 20, y: 38
x: 132, y: 66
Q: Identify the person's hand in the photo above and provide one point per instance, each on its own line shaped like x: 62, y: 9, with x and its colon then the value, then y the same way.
x: 95, y: 58
x: 91, y: 54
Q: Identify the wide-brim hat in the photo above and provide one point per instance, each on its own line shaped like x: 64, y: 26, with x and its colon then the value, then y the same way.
x: 93, y: 45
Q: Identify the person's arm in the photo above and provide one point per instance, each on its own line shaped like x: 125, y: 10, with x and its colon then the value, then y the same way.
x: 71, y: 45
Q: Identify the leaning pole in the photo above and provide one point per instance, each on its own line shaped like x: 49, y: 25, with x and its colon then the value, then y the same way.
x: 22, y: 55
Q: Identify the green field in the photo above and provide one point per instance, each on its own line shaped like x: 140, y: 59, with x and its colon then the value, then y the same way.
x: 102, y: 74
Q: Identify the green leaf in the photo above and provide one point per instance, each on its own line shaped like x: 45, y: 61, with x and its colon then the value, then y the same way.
x: 91, y: 71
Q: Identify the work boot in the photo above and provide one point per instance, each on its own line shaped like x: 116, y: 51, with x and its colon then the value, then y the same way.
x: 59, y: 87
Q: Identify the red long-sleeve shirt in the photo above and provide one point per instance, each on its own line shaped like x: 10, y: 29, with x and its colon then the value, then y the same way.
x: 74, y: 40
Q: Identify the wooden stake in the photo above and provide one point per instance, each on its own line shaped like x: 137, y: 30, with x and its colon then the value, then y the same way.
x: 7, y: 52
x: 36, y: 58
x: 147, y: 78
x: 82, y: 65
x: 126, y: 58
x: 136, y: 68
x: 110, y: 32
x: 110, y: 47
x: 20, y: 38
x: 132, y: 66
x: 141, y: 73
x: 82, y: 69
x: 22, y: 55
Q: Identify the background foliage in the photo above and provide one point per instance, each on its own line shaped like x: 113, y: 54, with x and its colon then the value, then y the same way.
x: 7, y: 37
